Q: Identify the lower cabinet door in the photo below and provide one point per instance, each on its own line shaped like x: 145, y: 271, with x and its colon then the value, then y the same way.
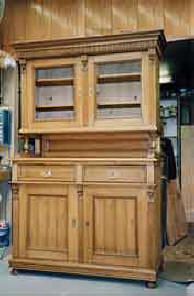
x: 115, y: 225
x: 48, y: 222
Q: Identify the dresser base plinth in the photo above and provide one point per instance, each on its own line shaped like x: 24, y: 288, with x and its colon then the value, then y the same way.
x: 84, y: 269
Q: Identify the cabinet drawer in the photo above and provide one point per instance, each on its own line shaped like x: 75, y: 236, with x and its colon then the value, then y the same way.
x: 135, y: 174
x: 46, y: 172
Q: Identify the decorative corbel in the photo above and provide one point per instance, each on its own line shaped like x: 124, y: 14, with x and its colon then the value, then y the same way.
x: 151, y: 148
x: 151, y: 194
x: 152, y: 55
x: 84, y: 61
x: 15, y: 191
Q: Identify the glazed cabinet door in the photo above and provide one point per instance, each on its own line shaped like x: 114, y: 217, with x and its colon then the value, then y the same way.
x: 52, y: 95
x: 121, y: 92
x: 48, y: 222
x: 115, y: 225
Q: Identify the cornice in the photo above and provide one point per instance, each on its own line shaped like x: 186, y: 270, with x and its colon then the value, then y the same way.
x: 95, y: 45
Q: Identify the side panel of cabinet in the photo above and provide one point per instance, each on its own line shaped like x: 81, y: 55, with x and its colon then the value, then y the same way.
x: 48, y: 222
x: 115, y: 225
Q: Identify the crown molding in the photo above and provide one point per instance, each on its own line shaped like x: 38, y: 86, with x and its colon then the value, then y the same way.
x: 95, y: 45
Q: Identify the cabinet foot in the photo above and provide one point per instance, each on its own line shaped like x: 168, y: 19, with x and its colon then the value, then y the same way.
x: 13, y: 271
x: 151, y: 285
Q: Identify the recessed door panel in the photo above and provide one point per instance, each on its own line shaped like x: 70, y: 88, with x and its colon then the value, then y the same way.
x: 45, y: 217
x: 115, y: 225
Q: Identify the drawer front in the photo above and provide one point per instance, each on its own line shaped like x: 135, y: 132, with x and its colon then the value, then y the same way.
x: 46, y: 172
x: 130, y: 174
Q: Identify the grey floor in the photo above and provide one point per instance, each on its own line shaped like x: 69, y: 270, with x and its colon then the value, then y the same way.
x: 43, y: 284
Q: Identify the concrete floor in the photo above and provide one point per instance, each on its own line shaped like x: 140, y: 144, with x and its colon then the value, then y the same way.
x: 43, y: 284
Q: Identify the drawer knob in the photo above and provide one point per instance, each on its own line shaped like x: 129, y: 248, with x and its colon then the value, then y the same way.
x: 46, y: 173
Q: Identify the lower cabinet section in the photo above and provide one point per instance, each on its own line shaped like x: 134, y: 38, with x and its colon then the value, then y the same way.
x: 113, y: 229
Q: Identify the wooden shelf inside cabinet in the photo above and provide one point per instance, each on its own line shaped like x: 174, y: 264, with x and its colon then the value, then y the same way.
x: 45, y: 108
x: 119, y: 77
x: 120, y: 104
x: 54, y: 82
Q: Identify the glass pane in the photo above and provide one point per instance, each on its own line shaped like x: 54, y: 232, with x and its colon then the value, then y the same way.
x: 133, y: 66
x: 114, y: 112
x: 52, y: 73
x: 55, y: 114
x: 54, y: 93
x: 118, y: 89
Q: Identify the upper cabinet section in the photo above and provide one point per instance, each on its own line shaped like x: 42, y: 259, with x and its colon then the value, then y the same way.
x: 90, y: 84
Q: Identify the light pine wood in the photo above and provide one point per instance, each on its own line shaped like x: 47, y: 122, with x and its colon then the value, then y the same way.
x: 43, y: 172
x: 102, y: 206
x: 115, y: 174
x: 67, y: 18
x: 101, y: 145
x: 178, y: 17
x: 45, y: 219
x: 90, y: 202
x: 86, y: 269
x: 116, y: 210
x: 150, y: 14
x: 21, y: 9
x: 86, y: 108
x: 124, y: 14
x: 37, y: 20
x: 98, y: 17
x: 48, y: 82
x: 38, y: 16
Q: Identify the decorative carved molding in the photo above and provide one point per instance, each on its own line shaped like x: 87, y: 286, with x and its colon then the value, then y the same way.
x: 80, y: 191
x: 151, y: 194
x: 152, y: 54
x: 15, y: 191
x: 140, y: 41
x: 84, y: 61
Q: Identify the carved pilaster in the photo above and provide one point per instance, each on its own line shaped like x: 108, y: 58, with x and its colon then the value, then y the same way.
x: 15, y: 191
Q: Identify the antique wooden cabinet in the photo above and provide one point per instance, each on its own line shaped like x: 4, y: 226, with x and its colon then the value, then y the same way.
x: 86, y: 182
